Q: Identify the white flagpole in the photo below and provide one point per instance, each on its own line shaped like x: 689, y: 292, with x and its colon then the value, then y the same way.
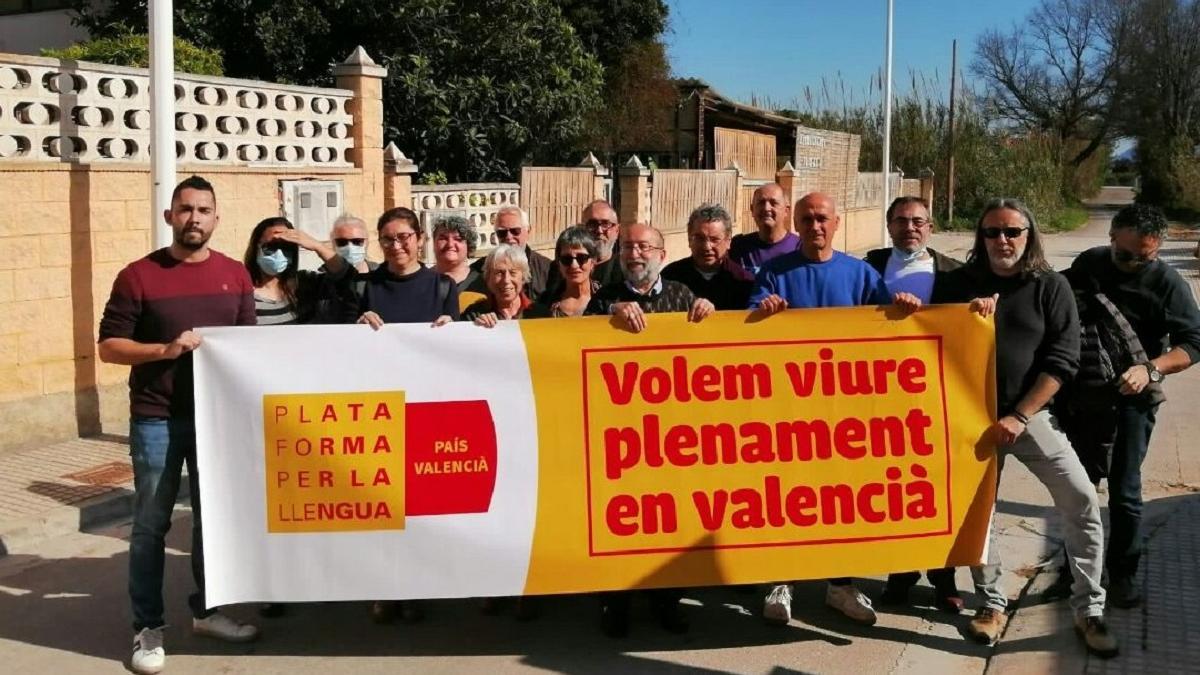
x: 162, y: 117
x: 887, y: 125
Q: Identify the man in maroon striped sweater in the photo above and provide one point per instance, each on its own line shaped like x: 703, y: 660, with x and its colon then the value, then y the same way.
x: 148, y: 323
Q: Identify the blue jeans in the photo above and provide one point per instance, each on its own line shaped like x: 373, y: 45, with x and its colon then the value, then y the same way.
x: 159, y: 447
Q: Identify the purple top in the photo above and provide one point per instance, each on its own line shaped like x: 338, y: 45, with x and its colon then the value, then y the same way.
x: 749, y: 250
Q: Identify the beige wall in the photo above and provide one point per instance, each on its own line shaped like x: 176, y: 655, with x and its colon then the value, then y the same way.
x: 65, y: 232
x: 861, y: 230
x: 30, y: 33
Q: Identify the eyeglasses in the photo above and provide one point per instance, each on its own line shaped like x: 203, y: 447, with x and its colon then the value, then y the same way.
x: 598, y: 224
x: 401, y: 239
x: 915, y: 222
x: 580, y: 259
x: 343, y: 241
x: 1008, y: 232
x: 1123, y: 256
x: 701, y: 239
x: 270, y: 249
x: 503, y: 232
x: 639, y: 246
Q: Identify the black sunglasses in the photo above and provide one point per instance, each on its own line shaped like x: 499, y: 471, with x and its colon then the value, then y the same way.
x: 1008, y: 232
x: 579, y: 258
x: 269, y: 249
x: 342, y: 241
x: 502, y: 232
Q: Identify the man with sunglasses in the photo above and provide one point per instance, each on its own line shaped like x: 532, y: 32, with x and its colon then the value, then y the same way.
x: 1037, y: 350
x: 1159, y: 307
x: 512, y: 227
x: 709, y: 272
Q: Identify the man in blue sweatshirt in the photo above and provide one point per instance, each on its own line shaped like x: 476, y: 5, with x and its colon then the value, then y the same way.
x: 815, y: 275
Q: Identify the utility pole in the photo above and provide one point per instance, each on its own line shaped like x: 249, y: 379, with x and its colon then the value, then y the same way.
x: 162, y: 117
x: 887, y: 127
x: 950, y: 168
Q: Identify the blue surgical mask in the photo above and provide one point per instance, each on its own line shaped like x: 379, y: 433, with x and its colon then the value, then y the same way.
x: 273, y: 263
x: 352, y: 254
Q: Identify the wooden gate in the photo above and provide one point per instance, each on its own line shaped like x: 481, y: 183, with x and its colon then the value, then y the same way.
x: 554, y: 197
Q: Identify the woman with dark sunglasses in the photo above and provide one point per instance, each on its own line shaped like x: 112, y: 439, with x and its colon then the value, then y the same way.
x: 575, y: 254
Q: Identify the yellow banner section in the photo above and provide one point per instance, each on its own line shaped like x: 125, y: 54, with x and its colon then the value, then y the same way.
x: 334, y: 462
x: 815, y: 443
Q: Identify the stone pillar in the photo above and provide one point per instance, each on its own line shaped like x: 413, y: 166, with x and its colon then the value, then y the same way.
x: 398, y: 172
x: 741, y: 203
x: 633, y: 181
x: 364, y: 78
x: 926, y: 177
x: 599, y: 176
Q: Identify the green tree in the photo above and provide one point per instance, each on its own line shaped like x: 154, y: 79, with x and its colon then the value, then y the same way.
x: 134, y: 50
x: 475, y: 88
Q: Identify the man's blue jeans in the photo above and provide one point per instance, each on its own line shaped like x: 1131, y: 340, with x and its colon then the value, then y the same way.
x: 159, y: 447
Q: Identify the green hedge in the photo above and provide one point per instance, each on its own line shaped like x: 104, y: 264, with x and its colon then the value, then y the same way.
x: 134, y: 50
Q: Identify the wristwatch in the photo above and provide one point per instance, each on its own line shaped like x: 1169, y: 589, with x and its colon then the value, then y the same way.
x: 1156, y: 375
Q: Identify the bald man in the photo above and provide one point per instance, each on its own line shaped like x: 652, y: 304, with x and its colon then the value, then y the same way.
x: 772, y: 214
x: 815, y: 275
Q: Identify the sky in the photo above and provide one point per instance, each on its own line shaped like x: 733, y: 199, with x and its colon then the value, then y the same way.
x: 774, y: 48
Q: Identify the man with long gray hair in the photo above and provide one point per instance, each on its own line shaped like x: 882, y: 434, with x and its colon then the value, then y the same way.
x: 1037, y: 350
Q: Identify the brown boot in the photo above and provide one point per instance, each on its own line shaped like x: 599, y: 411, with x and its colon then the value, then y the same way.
x: 987, y: 625
x: 1099, y: 640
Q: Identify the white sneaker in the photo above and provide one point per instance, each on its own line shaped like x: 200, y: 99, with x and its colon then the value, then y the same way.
x: 149, y: 657
x: 849, y: 601
x: 222, y: 627
x: 778, y: 606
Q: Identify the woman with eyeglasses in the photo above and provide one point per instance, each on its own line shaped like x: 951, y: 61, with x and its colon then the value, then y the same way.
x: 284, y: 294
x: 402, y: 290
x: 575, y: 255
x: 454, y: 242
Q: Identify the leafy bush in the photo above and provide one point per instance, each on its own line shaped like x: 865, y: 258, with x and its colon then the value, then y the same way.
x: 134, y: 50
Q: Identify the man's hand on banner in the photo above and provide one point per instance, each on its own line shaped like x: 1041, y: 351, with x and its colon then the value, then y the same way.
x: 985, y: 307
x: 186, y: 342
x: 700, y: 309
x: 629, y: 316
x: 906, y: 302
x: 371, y: 319
x: 772, y: 304
x: 441, y: 321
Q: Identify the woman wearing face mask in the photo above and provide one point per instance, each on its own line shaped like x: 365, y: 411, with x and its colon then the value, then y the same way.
x: 454, y: 241
x: 284, y: 294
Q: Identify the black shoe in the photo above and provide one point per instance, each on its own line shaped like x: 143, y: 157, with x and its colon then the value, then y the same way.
x: 491, y: 606
x: 1123, y: 592
x: 671, y: 618
x: 272, y: 610
x: 412, y: 611
x: 1061, y: 588
x: 614, y: 619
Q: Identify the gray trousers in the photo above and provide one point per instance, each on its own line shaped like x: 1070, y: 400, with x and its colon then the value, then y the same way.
x: 1044, y: 449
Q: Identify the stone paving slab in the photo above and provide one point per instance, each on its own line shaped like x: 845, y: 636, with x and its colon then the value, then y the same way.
x: 62, y: 487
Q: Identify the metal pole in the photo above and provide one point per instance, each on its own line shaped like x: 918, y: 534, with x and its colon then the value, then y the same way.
x: 950, y: 168
x: 162, y: 117
x: 887, y: 125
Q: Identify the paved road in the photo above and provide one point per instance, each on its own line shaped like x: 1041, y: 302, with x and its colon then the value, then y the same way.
x: 63, y: 606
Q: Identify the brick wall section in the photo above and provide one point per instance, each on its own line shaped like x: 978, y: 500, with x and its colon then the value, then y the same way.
x: 65, y: 232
